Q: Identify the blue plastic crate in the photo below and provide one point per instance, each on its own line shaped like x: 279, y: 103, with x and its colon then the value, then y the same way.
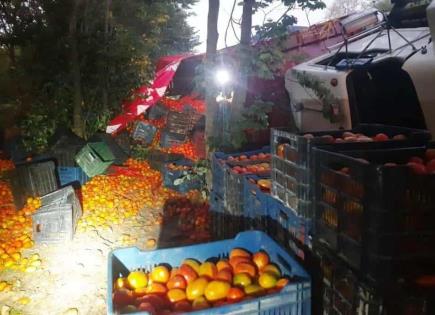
x: 69, y: 175
x: 170, y: 176
x: 144, y: 132
x: 255, y: 203
x: 218, y: 167
x: 294, y: 299
x: 217, y: 211
x: 286, y: 225
x: 216, y: 203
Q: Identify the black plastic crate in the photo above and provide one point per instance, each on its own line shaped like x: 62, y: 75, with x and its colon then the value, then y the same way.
x: 157, y: 111
x: 291, y: 156
x: 122, y: 139
x: 157, y: 159
x: 169, y: 139
x: 380, y: 219
x: 345, y: 293
x: 64, y: 147
x: 56, y: 220
x: 32, y: 180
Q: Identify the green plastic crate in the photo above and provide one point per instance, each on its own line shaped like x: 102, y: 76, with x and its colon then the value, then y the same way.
x: 94, y: 158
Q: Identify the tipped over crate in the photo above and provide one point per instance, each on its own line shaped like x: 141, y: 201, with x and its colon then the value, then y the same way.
x: 144, y: 133
x: 94, y: 158
x: 293, y: 299
x: 32, y: 180
x: 56, y: 220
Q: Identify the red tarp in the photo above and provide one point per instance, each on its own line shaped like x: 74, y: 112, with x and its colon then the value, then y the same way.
x: 147, y: 96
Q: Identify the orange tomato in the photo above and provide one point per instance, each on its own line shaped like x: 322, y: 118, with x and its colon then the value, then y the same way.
x: 239, y: 252
x: 242, y: 279
x: 137, y: 279
x: 160, y: 274
x: 261, y: 259
x: 176, y: 295
x: 225, y: 275
x: 196, y: 288
x: 223, y: 264
x: 182, y: 306
x: 188, y: 273
x: 208, y: 269
x: 200, y: 303
x: 273, y: 269
x: 176, y: 282
x: 158, y: 288
x: 121, y: 283
x: 253, y: 289
x: 248, y: 268
x: 192, y: 263
x: 267, y: 280
x: 235, y: 294
x: 238, y: 259
x: 281, y: 283
x: 217, y: 290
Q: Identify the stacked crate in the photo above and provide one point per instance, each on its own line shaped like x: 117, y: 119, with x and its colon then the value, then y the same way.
x: 227, y: 194
x: 378, y: 217
x: 293, y: 161
x: 31, y: 180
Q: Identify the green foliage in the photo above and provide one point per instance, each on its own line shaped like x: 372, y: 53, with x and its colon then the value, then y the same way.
x: 266, y: 60
x: 114, y: 60
x: 37, y: 129
x: 330, y: 104
x: 252, y: 118
x: 140, y: 152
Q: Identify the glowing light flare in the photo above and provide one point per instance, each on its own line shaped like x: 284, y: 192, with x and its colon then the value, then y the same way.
x: 222, y: 77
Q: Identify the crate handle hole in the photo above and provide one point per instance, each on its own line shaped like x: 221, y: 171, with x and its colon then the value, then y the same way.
x: 39, y: 228
x: 283, y: 216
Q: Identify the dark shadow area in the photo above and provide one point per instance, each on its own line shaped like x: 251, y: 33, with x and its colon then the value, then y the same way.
x: 384, y: 94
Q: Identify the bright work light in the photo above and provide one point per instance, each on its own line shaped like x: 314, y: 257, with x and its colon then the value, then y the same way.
x: 222, y: 77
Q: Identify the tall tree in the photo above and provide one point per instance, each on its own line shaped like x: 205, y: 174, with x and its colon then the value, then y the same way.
x: 212, y: 39
x: 79, y: 59
x: 78, y: 125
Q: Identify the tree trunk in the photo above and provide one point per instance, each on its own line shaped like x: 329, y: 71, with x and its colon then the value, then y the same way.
x: 78, y: 124
x: 245, y: 42
x: 212, y: 38
x: 105, y: 96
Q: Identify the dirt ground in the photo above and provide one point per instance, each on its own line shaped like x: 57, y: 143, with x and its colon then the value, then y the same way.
x: 73, y: 275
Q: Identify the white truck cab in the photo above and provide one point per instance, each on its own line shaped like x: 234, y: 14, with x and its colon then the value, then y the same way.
x: 385, y: 75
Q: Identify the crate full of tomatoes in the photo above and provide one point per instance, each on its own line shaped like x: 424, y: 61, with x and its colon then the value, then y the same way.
x: 293, y: 162
x: 220, y: 162
x: 249, y: 274
x: 376, y: 209
x: 235, y: 173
